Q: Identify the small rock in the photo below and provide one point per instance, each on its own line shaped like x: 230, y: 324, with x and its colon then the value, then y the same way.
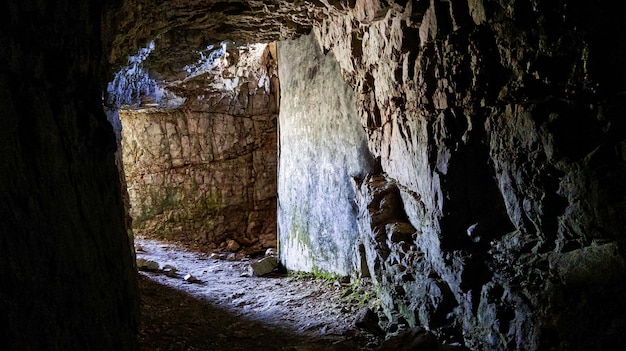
x: 416, y: 338
x: 246, y: 273
x: 170, y: 271
x: 231, y: 257
x: 232, y: 245
x: 473, y: 233
x: 264, y: 266
x: 147, y: 265
x: 270, y: 252
x: 190, y: 278
x: 367, y: 320
x: 214, y: 256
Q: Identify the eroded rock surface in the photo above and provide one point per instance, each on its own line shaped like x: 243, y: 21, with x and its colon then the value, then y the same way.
x: 322, y: 148
x: 494, y: 212
x: 498, y: 124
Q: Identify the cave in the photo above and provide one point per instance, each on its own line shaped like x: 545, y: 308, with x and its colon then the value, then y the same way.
x: 468, y: 157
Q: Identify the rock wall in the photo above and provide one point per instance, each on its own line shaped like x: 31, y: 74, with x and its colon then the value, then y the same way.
x: 499, y: 132
x: 205, y: 171
x: 68, y: 277
x: 323, y: 149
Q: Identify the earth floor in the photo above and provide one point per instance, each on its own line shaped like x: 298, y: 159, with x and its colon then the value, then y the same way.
x: 224, y: 308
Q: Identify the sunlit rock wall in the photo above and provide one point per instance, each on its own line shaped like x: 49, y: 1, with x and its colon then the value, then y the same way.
x: 323, y: 150
x: 205, y: 171
x: 68, y: 280
x: 498, y: 217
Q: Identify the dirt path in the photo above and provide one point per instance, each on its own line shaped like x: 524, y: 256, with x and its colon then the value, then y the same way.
x: 224, y: 310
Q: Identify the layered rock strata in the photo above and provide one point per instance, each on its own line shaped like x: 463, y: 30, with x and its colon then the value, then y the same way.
x: 205, y: 170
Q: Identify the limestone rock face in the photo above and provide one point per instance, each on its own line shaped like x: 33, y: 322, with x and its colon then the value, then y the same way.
x: 498, y: 129
x: 205, y: 171
x: 201, y: 177
x: 323, y: 150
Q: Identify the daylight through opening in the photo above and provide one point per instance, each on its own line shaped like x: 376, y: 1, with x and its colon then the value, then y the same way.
x: 199, y: 145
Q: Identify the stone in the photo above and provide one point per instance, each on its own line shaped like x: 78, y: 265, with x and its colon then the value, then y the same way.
x: 232, y: 245
x: 597, y: 264
x: 270, y: 252
x: 367, y: 320
x: 501, y: 145
x: 416, y: 338
x: 190, y: 278
x: 508, y: 114
x: 66, y: 252
x: 286, y: 19
x: 170, y: 271
x: 467, y: 120
x: 214, y: 256
x: 147, y: 265
x: 263, y: 266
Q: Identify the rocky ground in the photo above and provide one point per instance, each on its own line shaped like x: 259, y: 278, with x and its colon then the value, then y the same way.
x: 210, y: 301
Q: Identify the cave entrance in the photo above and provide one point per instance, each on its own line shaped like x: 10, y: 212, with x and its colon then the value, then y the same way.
x: 199, y: 145
x: 198, y: 162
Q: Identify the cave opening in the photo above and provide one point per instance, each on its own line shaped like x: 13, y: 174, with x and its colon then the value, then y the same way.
x: 199, y: 145
x: 198, y: 162
x: 495, y: 126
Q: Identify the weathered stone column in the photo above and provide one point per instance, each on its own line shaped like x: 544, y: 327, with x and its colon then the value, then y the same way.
x: 323, y: 152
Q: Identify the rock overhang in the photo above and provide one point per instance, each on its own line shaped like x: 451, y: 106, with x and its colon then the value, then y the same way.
x: 180, y: 28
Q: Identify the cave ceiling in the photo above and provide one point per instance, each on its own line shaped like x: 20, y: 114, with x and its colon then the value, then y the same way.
x: 182, y: 28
